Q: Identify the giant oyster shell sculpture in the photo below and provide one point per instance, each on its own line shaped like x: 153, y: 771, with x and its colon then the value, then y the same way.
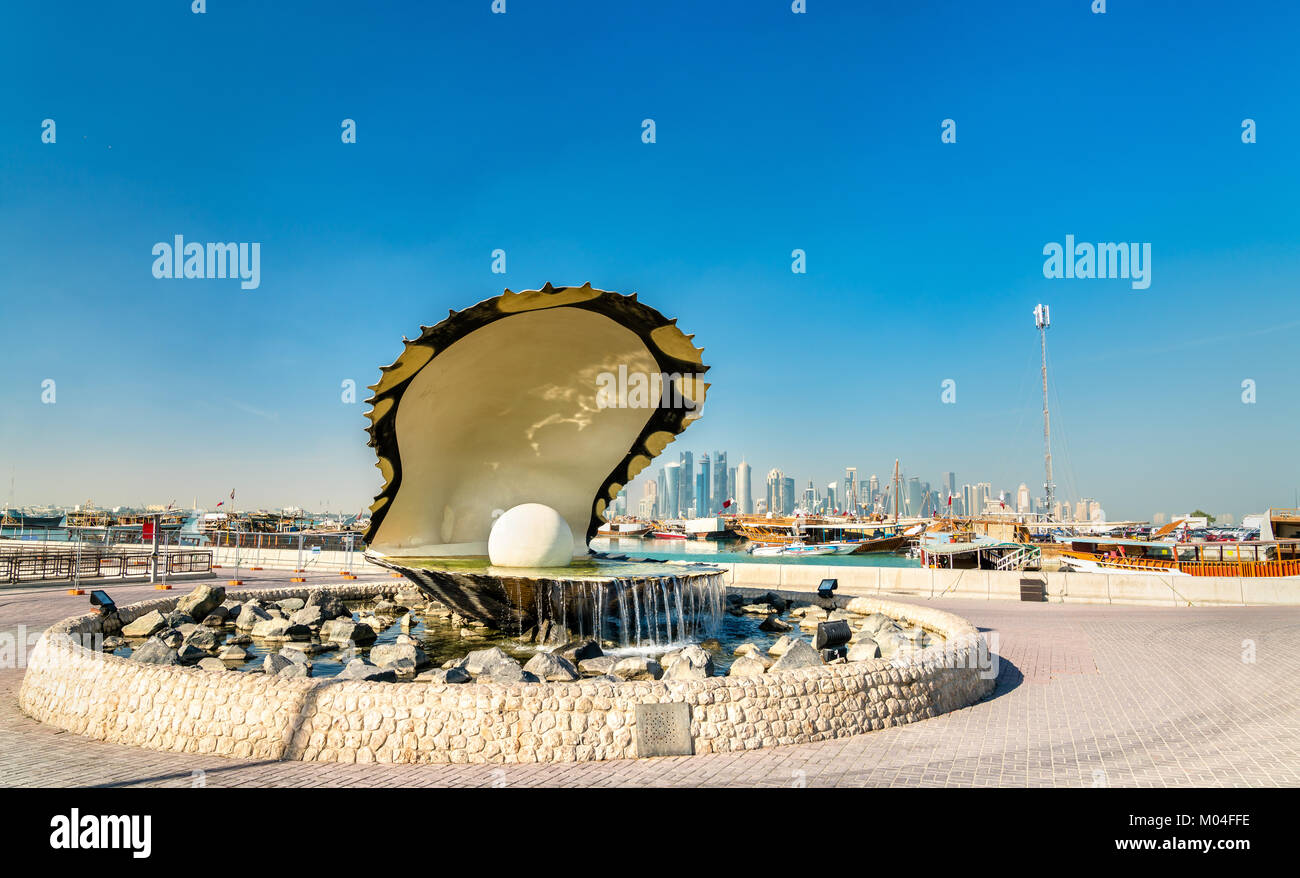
x: 499, y: 405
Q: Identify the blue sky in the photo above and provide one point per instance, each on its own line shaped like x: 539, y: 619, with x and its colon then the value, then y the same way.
x: 775, y: 131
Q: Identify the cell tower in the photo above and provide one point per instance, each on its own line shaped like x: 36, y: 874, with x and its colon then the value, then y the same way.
x: 1043, y: 320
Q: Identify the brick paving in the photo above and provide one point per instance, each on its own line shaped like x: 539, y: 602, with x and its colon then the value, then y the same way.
x: 1086, y: 696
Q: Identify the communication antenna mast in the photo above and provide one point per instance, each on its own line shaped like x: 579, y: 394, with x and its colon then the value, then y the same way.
x: 1043, y: 320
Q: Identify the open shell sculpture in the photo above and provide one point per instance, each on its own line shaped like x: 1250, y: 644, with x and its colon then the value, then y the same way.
x: 501, y: 404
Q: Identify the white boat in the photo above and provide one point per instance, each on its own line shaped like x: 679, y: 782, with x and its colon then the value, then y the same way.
x: 842, y: 547
x: 767, y: 550
x: 799, y: 550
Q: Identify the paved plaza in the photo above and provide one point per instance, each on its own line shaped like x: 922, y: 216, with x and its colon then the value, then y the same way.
x: 1086, y: 696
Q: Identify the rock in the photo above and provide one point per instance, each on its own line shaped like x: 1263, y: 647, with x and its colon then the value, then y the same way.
x: 359, y: 669
x: 202, y: 601
x: 171, y: 637
x: 208, y: 663
x: 214, y: 620
x: 773, y: 623
x: 800, y: 654
x: 552, y: 668
x: 385, y: 654
x: 412, y: 600
x: 782, y: 644
x: 875, y: 622
x: 273, y: 664
x: 404, y: 668
x: 332, y: 607
x: 176, y: 619
x: 507, y: 673
x: 202, y: 638
x: 154, y: 652
x: 232, y: 653
x: 864, y: 650
x: 480, y: 660
x: 373, y: 622
x: 406, y: 622
x: 249, y: 615
x: 347, y: 631
x: 699, y: 658
x: 112, y: 644
x: 669, y: 657
x: 602, y: 665
x: 457, y: 675
x: 384, y: 608
x: 916, y: 634
x: 291, y: 605
x: 293, y: 669
x: 145, y: 626
x: 272, y: 629
x: 746, y: 666
x: 312, y: 617
x: 297, y: 656
x: 746, y: 649
x: 638, y: 668
x: 682, y: 669
x: 579, y: 650
x: 607, y: 678
x: 711, y: 643
x: 240, y: 640
x: 760, y: 609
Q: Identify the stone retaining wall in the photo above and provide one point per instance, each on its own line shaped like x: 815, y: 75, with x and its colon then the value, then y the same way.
x: 1073, y: 588
x: 250, y: 715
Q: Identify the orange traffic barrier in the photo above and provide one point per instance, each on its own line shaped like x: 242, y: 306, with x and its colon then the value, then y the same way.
x: 76, y: 591
x: 161, y: 587
x: 297, y: 579
x: 230, y: 582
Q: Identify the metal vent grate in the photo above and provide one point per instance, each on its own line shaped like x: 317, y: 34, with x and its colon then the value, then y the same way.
x: 664, y: 730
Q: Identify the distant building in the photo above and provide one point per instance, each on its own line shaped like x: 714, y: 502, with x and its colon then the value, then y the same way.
x: 787, y: 496
x: 672, y: 505
x: 744, y: 491
x: 687, y: 461
x: 719, y: 494
x: 703, y: 489
x: 775, y: 478
x: 1023, y: 503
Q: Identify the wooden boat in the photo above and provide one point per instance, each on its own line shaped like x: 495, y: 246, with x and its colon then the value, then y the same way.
x: 667, y: 535
x: 1263, y: 557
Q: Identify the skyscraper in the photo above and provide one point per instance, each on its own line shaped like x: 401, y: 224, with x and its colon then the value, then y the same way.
x: 731, y: 488
x: 703, y: 489
x: 787, y: 496
x: 672, y: 504
x: 688, y: 481
x: 719, y: 493
x: 650, y: 501
x: 848, y: 489
x: 831, y: 504
x: 744, y: 489
x: 951, y: 480
x: 774, y: 479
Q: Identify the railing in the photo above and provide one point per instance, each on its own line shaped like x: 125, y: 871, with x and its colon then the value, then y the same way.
x: 25, y: 565
x: 1019, y: 559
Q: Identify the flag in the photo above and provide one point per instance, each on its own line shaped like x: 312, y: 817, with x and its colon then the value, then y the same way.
x: 220, y: 502
x: 232, y: 493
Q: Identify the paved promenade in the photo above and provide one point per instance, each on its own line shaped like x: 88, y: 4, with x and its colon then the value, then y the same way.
x: 1086, y: 696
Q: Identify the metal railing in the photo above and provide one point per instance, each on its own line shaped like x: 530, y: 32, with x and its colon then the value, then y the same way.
x: 73, y: 563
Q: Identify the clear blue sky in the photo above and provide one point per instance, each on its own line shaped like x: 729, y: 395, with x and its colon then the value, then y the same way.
x: 775, y: 131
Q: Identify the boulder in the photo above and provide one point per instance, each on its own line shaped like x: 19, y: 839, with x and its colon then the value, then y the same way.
x: 551, y: 667
x: 404, y: 668
x: 638, y: 668
x: 782, y: 644
x: 347, y: 631
x: 746, y: 666
x: 145, y: 626
x: 272, y: 629
x: 175, y: 619
x: 384, y: 607
x: 291, y: 605
x: 478, y: 661
x: 579, y: 650
x: 232, y: 653
x: 312, y: 617
x: 602, y: 665
x: 293, y: 669
x: 699, y: 658
x: 249, y: 615
x: 202, y: 601
x: 332, y: 607
x: 112, y: 644
x: 208, y: 663
x: 760, y: 609
x: 412, y: 600
x: 875, y: 622
x: 746, y: 649
x: 682, y: 669
x: 273, y: 664
x: 864, y: 650
x: 457, y: 675
x: 171, y: 637
x: 773, y: 623
x: 154, y: 652
x: 385, y: 654
x: 359, y: 669
x: 800, y: 654
x: 297, y: 656
x: 503, y: 672
x: 202, y: 638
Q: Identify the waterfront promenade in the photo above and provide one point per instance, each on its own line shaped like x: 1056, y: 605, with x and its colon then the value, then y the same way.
x: 1087, y: 696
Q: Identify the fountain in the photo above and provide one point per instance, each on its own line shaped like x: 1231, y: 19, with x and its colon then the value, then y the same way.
x: 500, y: 439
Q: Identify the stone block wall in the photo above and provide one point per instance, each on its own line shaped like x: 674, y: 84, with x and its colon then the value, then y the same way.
x: 249, y: 715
